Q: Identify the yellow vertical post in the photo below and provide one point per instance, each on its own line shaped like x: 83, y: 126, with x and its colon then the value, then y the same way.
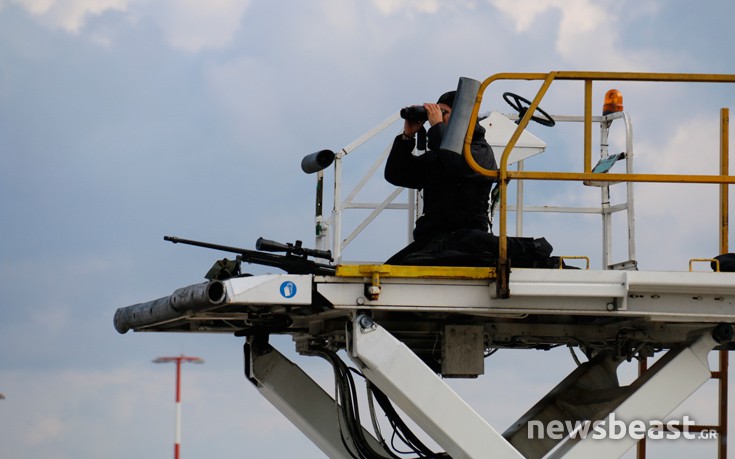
x: 503, y: 268
x: 724, y: 244
x: 724, y: 170
x: 588, y: 125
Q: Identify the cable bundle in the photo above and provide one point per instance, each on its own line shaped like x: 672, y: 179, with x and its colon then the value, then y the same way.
x: 348, y: 414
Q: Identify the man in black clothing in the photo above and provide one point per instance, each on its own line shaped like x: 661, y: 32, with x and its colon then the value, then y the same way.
x: 456, y: 198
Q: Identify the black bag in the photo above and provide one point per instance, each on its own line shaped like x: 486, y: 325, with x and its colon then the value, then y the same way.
x: 727, y: 263
x: 475, y: 248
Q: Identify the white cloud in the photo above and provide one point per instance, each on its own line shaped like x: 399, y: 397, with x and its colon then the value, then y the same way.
x: 693, y: 148
x: 409, y: 7
x: 193, y: 26
x: 678, y: 221
x: 588, y: 31
x: 43, y: 428
x: 239, y: 86
x: 388, y: 7
x: 188, y: 25
x: 524, y: 12
x: 70, y: 15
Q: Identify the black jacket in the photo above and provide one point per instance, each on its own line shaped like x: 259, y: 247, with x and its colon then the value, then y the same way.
x: 455, y: 196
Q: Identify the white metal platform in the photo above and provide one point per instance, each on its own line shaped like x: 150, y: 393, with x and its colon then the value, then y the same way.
x: 618, y: 300
x: 406, y: 328
x: 392, y: 339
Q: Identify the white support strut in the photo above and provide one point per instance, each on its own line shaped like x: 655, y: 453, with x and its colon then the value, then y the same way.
x: 653, y: 397
x: 300, y: 399
x: 424, y: 396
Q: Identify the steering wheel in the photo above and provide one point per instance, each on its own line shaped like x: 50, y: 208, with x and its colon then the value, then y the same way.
x: 516, y: 101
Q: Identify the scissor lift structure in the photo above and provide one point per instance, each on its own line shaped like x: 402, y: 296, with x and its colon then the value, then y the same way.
x: 407, y: 328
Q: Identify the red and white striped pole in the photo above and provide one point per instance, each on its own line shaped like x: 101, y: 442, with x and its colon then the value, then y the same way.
x: 178, y: 360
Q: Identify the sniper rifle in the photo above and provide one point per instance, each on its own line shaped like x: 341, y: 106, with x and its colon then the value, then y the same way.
x: 294, y: 261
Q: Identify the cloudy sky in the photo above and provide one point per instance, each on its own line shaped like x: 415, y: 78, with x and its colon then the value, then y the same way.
x: 125, y: 120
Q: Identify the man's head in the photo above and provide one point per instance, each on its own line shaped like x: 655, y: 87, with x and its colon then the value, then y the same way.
x: 445, y: 102
x: 447, y: 98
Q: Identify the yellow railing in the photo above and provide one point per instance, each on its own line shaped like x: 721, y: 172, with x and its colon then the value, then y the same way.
x: 504, y: 175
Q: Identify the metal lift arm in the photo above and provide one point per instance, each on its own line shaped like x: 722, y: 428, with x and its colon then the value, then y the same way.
x: 298, y: 397
x: 454, y: 425
x: 653, y: 395
x: 423, y: 395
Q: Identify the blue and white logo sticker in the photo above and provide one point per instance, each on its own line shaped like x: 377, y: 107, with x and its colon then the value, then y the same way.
x: 288, y: 289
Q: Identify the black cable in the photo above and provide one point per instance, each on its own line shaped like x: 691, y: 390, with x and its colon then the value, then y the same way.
x: 347, y: 407
x: 397, y: 434
x: 341, y: 407
x: 347, y: 402
x: 376, y: 425
x: 405, y: 433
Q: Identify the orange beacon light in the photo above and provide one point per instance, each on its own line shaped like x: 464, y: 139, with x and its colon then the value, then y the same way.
x: 613, y: 102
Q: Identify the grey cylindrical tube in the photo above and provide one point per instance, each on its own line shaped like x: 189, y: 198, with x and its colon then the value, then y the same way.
x: 464, y: 101
x: 318, y: 161
x: 192, y: 298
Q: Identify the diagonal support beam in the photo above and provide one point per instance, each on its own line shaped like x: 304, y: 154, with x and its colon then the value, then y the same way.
x: 591, y: 388
x: 423, y: 395
x: 299, y: 398
x: 655, y: 394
